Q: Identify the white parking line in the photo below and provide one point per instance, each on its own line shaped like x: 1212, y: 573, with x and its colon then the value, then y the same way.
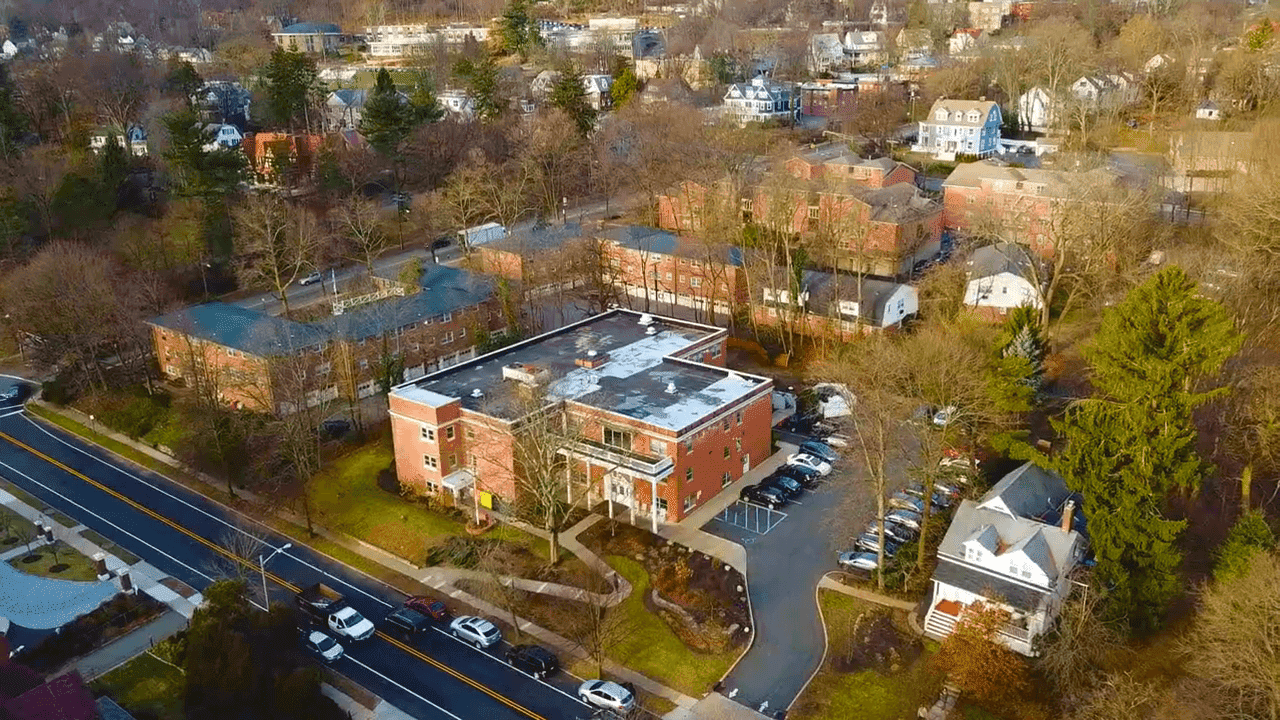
x: 108, y: 522
x: 393, y: 682
x: 211, y: 515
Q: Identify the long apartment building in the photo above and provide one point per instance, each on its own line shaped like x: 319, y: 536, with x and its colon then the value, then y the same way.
x: 269, y: 363
x: 657, y: 424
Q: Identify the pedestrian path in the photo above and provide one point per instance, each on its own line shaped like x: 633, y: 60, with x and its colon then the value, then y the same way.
x: 830, y: 583
x: 128, y: 646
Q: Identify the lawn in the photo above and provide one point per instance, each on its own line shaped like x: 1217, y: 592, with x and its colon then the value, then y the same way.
x: 865, y: 694
x: 93, y: 537
x: 651, y: 648
x: 95, y: 437
x: 69, y: 564
x: 145, y: 686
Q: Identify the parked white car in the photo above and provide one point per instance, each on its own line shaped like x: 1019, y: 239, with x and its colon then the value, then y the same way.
x: 311, y: 278
x: 809, y: 461
x: 606, y: 694
x: 475, y: 630
x: 349, y: 623
x: 858, y: 560
x: 944, y: 416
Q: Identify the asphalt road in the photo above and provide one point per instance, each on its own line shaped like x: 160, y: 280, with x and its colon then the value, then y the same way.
x: 431, y: 676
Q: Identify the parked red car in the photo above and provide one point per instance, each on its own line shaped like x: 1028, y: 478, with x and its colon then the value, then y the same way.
x: 430, y: 607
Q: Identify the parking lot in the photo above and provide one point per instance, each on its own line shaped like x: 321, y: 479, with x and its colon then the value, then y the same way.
x: 788, y: 551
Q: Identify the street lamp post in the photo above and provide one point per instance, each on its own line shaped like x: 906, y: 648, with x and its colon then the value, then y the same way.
x: 262, y: 565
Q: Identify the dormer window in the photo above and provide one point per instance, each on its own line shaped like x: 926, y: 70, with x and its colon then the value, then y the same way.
x: 941, y: 115
x: 973, y: 116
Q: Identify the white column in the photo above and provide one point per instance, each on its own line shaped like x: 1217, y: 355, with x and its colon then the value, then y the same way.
x: 653, y: 505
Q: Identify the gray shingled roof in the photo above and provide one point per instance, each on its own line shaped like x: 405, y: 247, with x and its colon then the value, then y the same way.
x: 654, y: 240
x: 826, y: 288
x: 444, y: 289
x: 1030, y: 492
x: 1024, y: 597
x: 547, y: 237
x: 991, y: 260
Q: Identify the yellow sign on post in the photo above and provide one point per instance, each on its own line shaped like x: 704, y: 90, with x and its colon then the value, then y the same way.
x: 486, y: 499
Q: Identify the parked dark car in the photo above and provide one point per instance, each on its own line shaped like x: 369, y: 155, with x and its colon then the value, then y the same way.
x: 442, y: 242
x: 807, y: 477
x: 870, y: 542
x: 789, y: 487
x: 900, y: 533
x: 822, y: 450
x: 408, y: 621
x: 763, y: 495
x: 335, y: 427
x: 428, y: 606
x: 533, y: 659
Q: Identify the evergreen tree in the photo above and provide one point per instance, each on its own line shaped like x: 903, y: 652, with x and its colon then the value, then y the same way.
x: 424, y: 104
x: 386, y: 118
x: 625, y: 86
x: 1248, y: 537
x: 196, y: 171
x: 184, y: 80
x: 517, y: 30
x: 1161, y: 343
x: 291, y: 81
x: 13, y: 123
x: 481, y: 77
x: 1106, y: 460
x: 569, y: 94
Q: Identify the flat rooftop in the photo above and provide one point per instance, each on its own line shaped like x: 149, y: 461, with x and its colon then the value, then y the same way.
x: 638, y: 377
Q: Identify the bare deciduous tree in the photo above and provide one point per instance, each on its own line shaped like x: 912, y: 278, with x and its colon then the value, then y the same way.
x: 361, y: 222
x: 278, y: 242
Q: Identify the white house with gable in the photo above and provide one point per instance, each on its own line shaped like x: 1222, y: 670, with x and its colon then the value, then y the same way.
x: 1001, y: 277
x: 1016, y: 547
x: 960, y: 127
x: 761, y: 99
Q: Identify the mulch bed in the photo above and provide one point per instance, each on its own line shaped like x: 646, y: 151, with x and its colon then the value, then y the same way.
x: 874, y: 642
x: 713, y: 593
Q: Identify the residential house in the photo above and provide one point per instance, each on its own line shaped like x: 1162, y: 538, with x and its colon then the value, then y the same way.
x: 826, y: 53
x: 8, y: 49
x: 878, y: 15
x: 1001, y: 277
x: 459, y: 103
x: 993, y: 199
x: 826, y: 97
x: 64, y: 697
x: 281, y: 156
x: 1036, y: 110
x: 964, y: 42
x: 223, y: 136
x: 669, y: 90
x: 956, y: 128
x: 914, y: 43
x: 1016, y: 547
x: 253, y: 358
x: 456, y: 35
x: 224, y: 101
x: 344, y: 108
x: 310, y: 38
x: 1208, y: 110
x: 543, y: 83
x: 598, y: 89
x: 839, y: 305
x: 648, y: 46
x: 866, y: 48
x: 660, y: 271
x: 657, y: 424
x: 133, y: 140
x: 760, y: 100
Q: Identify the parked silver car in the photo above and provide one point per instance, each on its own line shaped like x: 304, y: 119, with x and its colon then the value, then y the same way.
x: 607, y: 695
x: 858, y: 560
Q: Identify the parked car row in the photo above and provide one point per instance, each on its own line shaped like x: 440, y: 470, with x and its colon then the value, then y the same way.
x: 801, y: 472
x: 901, y: 526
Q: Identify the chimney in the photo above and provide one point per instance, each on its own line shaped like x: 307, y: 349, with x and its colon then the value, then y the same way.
x: 1068, y: 514
x: 982, y: 98
x: 593, y: 360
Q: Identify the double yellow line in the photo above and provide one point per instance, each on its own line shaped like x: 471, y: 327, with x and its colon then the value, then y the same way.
x: 274, y: 578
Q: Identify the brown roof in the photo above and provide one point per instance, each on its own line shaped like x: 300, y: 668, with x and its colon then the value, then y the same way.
x: 62, y: 698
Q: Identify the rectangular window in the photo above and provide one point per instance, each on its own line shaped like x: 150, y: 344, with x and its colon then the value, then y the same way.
x: 688, y: 474
x: 695, y: 282
x: 815, y: 212
x: 725, y: 424
x: 657, y: 447
x: 364, y: 364
x: 737, y: 442
x: 726, y: 452
x: 715, y: 351
x: 462, y: 332
x: 471, y: 434
x: 725, y: 479
x: 688, y: 445
x: 617, y: 438
x: 738, y: 416
x: 430, y: 462
x: 448, y: 433
x: 688, y: 502
x: 433, y: 488
x: 453, y: 461
x: 448, y: 338
x: 668, y: 277
x: 662, y: 504
x: 428, y: 433
x: 446, y: 317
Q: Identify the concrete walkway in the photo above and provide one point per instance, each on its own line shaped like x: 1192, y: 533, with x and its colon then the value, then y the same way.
x: 689, y: 531
x: 829, y: 583
x: 125, y: 648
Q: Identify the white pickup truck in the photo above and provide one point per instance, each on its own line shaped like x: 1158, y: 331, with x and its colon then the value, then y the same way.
x: 327, y: 605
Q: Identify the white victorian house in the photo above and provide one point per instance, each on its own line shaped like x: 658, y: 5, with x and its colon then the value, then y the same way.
x: 960, y: 127
x: 1016, y: 547
x: 1001, y: 277
x: 223, y: 136
x: 761, y: 99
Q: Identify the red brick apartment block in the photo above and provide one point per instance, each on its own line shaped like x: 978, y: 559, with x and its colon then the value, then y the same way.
x: 660, y: 424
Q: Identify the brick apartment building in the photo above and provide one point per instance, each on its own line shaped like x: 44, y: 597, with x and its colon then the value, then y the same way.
x: 660, y: 425
x: 880, y: 221
x: 1019, y: 205
x: 268, y: 363
x: 659, y: 270
x: 534, y: 257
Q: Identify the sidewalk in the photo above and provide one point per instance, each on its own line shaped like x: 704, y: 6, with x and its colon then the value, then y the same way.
x: 125, y: 648
x: 689, y: 531
x: 872, y: 597
x: 432, y: 577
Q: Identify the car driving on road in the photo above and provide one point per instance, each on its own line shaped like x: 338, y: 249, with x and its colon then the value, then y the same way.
x: 314, y: 277
x: 475, y: 630
x: 321, y: 645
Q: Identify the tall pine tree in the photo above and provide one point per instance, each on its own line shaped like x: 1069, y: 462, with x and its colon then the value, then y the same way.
x: 292, y: 81
x: 386, y: 119
x: 1134, y: 443
x: 517, y: 30
x: 424, y: 104
x: 569, y: 94
x: 481, y: 77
